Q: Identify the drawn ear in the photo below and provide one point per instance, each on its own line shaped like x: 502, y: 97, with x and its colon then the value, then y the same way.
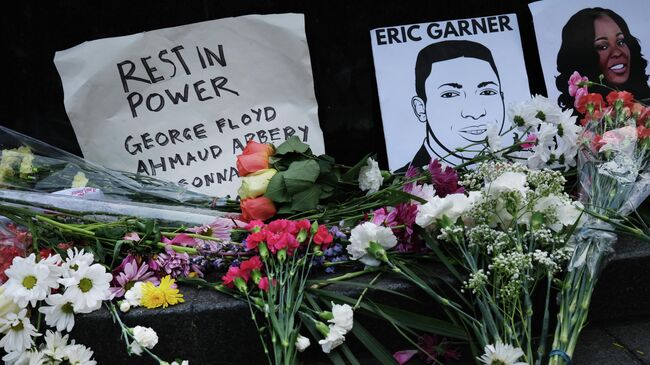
x: 419, y: 109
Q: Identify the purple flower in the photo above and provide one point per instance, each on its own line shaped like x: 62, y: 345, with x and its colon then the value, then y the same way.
x: 445, y: 180
x: 174, y: 263
x: 132, y: 274
x: 337, y: 233
x: 219, y: 228
x: 412, y: 172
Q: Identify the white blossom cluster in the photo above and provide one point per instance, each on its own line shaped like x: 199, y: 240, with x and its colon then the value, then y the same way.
x: 552, y: 132
x: 513, y: 224
x: 80, y: 286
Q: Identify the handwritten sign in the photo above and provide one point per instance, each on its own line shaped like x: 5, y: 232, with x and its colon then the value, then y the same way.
x: 442, y: 83
x: 180, y: 103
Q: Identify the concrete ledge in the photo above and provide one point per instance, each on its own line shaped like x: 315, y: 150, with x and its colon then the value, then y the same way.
x: 213, y: 328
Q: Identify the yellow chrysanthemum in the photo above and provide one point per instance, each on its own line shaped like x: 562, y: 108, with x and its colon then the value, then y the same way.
x: 162, y: 295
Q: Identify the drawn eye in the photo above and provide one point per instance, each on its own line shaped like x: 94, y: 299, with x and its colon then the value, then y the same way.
x: 621, y: 42
x: 488, y: 92
x: 449, y: 94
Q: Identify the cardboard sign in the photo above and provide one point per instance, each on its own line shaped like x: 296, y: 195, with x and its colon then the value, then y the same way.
x: 441, y: 83
x: 180, y: 103
x: 619, y: 54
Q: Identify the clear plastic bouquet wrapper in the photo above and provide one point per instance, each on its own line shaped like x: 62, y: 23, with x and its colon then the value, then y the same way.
x: 28, y: 164
x: 612, y: 160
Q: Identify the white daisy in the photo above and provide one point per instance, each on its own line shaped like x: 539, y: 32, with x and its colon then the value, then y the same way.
x: 75, y: 259
x: 87, y: 287
x: 59, y: 312
x: 363, y: 235
x: 7, y: 305
x: 29, y: 281
x: 18, y: 332
x: 501, y: 354
x: 80, y: 355
x: 56, y: 346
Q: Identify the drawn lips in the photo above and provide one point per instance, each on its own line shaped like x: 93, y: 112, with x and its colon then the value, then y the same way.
x: 474, y: 130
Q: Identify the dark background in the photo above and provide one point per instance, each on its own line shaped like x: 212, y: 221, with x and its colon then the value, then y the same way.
x: 338, y: 34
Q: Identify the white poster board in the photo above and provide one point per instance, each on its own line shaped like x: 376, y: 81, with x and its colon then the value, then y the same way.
x: 469, y: 92
x: 180, y: 103
x: 551, y: 16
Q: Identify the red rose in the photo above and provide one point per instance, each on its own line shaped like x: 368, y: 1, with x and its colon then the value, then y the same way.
x: 261, y: 208
x: 590, y: 103
x: 323, y: 237
x: 625, y: 97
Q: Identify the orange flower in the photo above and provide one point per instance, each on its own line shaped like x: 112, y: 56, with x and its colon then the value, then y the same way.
x: 624, y: 96
x: 261, y: 208
x: 254, y: 147
x: 590, y: 103
x: 255, y: 157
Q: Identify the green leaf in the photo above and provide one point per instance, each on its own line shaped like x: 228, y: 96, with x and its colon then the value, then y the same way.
x: 277, y: 190
x: 116, y: 251
x: 325, y: 162
x: 353, y: 173
x: 371, y: 343
x: 401, y: 317
x: 110, y: 232
x: 292, y: 144
x: 301, y: 175
x: 306, y: 199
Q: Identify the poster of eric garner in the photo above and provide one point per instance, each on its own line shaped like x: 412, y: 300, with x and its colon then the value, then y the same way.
x: 608, y: 38
x: 180, y: 103
x: 441, y: 84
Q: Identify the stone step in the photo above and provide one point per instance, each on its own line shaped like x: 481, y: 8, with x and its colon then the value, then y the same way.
x: 213, y: 328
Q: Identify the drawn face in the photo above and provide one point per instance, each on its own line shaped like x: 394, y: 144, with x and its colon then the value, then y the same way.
x: 613, y: 53
x: 463, y: 97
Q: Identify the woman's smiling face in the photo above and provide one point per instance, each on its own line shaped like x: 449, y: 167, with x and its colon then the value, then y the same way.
x: 612, y: 49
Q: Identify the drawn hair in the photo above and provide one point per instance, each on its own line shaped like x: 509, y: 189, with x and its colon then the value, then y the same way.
x: 447, y: 50
x: 578, y: 53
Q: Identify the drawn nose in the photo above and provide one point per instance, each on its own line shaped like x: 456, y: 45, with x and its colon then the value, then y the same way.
x: 472, y: 110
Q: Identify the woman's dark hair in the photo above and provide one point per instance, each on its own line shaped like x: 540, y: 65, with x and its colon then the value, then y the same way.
x: 578, y: 53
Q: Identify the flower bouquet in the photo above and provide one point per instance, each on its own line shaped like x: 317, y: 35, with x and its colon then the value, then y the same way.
x: 613, y: 151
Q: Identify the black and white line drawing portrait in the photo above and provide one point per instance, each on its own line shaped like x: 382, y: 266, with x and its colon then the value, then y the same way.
x: 441, y: 84
x: 593, y: 37
x: 458, y: 95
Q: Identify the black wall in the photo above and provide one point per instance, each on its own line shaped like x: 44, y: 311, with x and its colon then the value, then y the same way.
x: 31, y: 96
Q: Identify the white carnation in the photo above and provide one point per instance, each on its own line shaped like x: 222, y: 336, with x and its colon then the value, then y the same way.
x: 370, y: 178
x: 302, y: 343
x: 343, y: 316
x: 360, y: 239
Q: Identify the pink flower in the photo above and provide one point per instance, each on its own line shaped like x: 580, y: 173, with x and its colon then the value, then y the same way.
x: 264, y: 284
x: 233, y: 273
x: 254, y: 239
x: 530, y: 141
x: 384, y: 217
x: 445, y: 180
x: 131, y: 275
x: 131, y: 236
x: 402, y: 357
x: 174, y: 263
x: 219, y: 228
x: 577, y: 82
x: 181, y: 240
